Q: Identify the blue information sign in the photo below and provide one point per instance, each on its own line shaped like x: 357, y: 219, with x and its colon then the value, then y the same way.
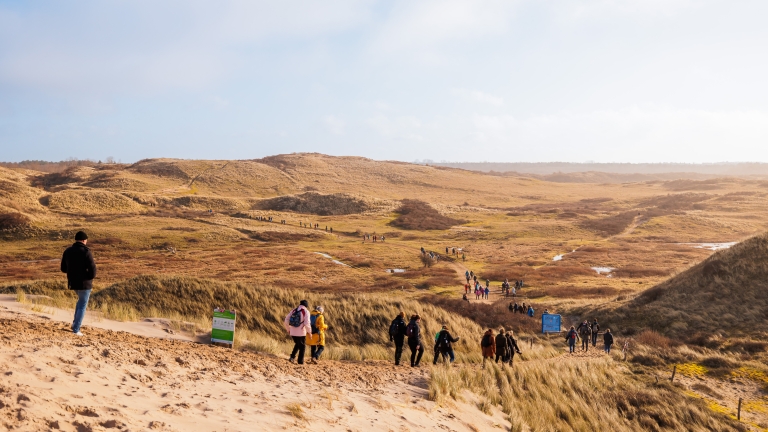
x: 550, y: 323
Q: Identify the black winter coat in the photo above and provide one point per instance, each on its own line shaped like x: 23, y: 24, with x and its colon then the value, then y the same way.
x: 415, y: 339
x: 608, y: 339
x: 501, y: 343
x: 400, y: 328
x: 444, y: 341
x: 77, y: 262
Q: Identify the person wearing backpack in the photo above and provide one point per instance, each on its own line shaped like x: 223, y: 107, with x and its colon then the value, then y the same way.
x: 531, y: 312
x: 512, y: 347
x: 443, y: 346
x: 488, y: 345
x: 298, y: 327
x: 316, y: 340
x: 397, y: 335
x: 585, y: 333
x: 608, y: 340
x: 595, y: 331
x: 413, y: 332
x: 501, y: 346
x: 571, y: 339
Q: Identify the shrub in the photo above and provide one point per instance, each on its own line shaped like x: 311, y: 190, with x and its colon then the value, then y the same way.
x: 653, y: 339
x: 418, y: 215
x: 315, y: 203
x: 13, y: 220
x: 610, y: 225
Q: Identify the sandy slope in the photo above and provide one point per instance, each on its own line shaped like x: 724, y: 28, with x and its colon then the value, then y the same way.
x: 53, y: 380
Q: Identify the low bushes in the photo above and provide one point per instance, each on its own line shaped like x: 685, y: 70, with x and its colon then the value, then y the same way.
x: 418, y: 215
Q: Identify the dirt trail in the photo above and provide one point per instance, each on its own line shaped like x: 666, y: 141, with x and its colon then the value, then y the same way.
x: 52, y: 379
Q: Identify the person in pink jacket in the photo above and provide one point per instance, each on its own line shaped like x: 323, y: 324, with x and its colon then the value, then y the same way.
x: 298, y: 326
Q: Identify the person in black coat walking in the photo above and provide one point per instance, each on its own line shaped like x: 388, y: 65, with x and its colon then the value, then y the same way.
x: 443, y: 346
x: 397, y: 335
x: 501, y: 346
x: 413, y: 332
x: 512, y: 346
x: 80, y: 267
x: 608, y: 340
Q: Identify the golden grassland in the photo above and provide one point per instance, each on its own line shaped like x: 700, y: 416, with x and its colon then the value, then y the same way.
x: 162, y: 253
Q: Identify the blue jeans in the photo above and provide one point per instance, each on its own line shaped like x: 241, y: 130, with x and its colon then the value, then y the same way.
x: 82, y: 303
x: 608, y: 349
x: 572, y: 346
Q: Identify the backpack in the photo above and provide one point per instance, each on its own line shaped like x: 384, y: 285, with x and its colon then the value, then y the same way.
x: 394, y: 328
x: 410, y: 331
x: 297, y: 317
x: 313, y: 327
x: 486, y: 342
x: 442, y: 341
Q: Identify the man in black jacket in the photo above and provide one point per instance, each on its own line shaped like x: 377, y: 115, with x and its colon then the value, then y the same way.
x: 512, y: 346
x: 397, y: 335
x: 443, y: 345
x: 77, y: 262
x: 501, y: 346
x: 413, y: 331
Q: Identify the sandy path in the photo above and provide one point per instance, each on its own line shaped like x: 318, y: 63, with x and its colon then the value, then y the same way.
x: 51, y: 379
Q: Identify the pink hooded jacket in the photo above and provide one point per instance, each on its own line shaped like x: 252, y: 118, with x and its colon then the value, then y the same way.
x: 304, y: 329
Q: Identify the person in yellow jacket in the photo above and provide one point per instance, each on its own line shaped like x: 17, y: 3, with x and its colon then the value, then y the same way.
x: 316, y: 340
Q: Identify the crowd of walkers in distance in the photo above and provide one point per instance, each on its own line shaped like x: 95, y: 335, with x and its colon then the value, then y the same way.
x: 375, y: 238
x: 588, y: 332
x: 448, y: 251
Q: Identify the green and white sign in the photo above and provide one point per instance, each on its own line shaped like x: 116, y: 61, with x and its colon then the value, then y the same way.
x: 223, y: 326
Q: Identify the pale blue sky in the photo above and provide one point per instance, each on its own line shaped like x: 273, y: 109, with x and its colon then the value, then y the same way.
x: 572, y: 80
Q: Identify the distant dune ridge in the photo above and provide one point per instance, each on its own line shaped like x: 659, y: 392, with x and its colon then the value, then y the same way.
x: 548, y: 168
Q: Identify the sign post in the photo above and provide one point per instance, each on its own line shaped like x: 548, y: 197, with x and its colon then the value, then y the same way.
x: 223, y: 330
x: 550, y: 323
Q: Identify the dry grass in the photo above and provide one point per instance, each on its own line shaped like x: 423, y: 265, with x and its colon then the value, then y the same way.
x: 610, y: 225
x: 297, y: 411
x: 578, y: 396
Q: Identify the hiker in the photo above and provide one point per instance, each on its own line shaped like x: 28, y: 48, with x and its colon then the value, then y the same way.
x: 297, y: 325
x: 511, y: 308
x: 585, y: 333
x: 487, y: 283
x: 77, y: 262
x: 446, y: 251
x: 571, y: 339
x: 488, y: 346
x: 464, y: 297
x: 316, y: 340
x: 501, y: 346
x: 514, y: 292
x: 512, y: 346
x: 413, y: 331
x: 463, y: 257
x: 443, y: 347
x: 397, y: 335
x: 471, y: 274
x: 477, y: 294
x: 531, y: 312
x: 523, y: 308
x: 595, y: 331
x: 487, y: 291
x: 608, y: 340
x: 515, y: 308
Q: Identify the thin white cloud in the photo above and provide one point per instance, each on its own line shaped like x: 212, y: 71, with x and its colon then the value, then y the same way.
x: 334, y: 124
x: 478, y: 96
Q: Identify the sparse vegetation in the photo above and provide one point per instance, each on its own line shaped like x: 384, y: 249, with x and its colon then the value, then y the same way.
x: 316, y: 204
x: 418, y: 215
x: 13, y: 220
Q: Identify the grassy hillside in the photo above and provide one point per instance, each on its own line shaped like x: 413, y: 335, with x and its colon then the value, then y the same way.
x: 726, y: 295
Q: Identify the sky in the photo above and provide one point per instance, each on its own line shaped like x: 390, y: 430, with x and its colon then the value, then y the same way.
x: 497, y: 81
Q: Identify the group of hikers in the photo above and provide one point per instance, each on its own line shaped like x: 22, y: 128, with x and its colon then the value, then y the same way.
x: 523, y: 309
x: 306, y: 328
x: 376, y: 238
x: 588, y: 332
x: 315, y: 226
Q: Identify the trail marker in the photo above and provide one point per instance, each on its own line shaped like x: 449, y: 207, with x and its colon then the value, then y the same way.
x: 223, y: 330
x: 550, y: 323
